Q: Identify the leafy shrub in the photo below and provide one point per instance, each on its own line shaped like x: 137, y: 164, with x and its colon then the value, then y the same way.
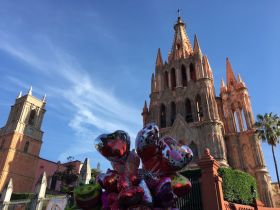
x: 238, y: 187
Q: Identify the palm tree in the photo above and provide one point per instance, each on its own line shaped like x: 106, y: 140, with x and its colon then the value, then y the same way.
x: 268, y: 129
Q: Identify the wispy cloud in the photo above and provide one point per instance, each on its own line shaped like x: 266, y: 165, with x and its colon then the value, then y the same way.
x: 93, y: 109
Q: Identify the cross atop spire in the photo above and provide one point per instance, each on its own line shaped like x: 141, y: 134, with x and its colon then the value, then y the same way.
x: 179, y: 11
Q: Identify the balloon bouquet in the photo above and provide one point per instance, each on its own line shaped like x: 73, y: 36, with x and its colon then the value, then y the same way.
x: 155, y: 186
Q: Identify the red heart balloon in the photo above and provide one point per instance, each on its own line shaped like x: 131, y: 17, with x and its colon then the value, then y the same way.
x: 115, y: 146
x: 132, y: 163
x: 131, y: 196
x: 109, y: 180
x: 123, y: 182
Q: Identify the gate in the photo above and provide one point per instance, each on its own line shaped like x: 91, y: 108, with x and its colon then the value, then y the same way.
x: 191, y: 201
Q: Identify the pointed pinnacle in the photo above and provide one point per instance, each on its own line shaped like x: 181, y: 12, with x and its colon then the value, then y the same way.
x: 239, y: 78
x: 229, y: 72
x: 30, y: 91
x: 196, y: 47
x: 145, y: 105
x: 19, y: 95
x: 145, y: 108
x: 159, y: 61
x: 222, y: 83
x: 44, y: 98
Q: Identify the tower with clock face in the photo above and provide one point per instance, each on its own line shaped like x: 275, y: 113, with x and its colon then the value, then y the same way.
x: 20, y: 142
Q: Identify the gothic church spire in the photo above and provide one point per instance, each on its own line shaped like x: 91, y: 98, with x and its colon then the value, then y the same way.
x: 159, y: 61
x: 230, y: 75
x: 181, y: 47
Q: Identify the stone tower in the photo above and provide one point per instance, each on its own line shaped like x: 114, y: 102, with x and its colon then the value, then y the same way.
x: 184, y: 105
x: 182, y: 100
x: 243, y: 146
x: 20, y: 142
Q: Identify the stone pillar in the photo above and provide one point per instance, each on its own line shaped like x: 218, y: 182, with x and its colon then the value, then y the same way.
x: 85, y: 173
x: 40, y: 191
x: 6, y: 195
x: 211, y: 183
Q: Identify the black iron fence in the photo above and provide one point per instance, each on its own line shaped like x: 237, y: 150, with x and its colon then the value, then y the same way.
x: 193, y: 200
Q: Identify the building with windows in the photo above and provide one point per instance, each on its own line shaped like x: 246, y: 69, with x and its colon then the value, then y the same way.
x: 20, y: 145
x: 184, y: 105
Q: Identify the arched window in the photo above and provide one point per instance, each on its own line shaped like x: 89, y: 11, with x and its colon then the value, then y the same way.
x: 26, y: 146
x: 2, y: 144
x: 194, y: 149
x: 188, y: 110
x: 173, y: 113
x: 237, y: 126
x: 173, y: 78
x: 199, y: 109
x: 184, y: 76
x: 31, y: 120
x: 166, y: 80
x: 192, y: 72
x: 162, y: 116
x: 244, y: 120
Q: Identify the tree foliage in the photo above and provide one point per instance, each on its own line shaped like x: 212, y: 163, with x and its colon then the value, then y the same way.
x: 268, y: 130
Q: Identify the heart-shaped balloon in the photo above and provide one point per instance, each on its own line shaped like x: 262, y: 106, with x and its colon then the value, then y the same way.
x: 115, y: 146
x: 109, y: 180
x: 174, y: 156
x: 164, y: 196
x: 131, y: 196
x: 132, y: 163
x: 180, y: 185
x: 146, y: 141
x: 123, y: 182
x: 108, y: 199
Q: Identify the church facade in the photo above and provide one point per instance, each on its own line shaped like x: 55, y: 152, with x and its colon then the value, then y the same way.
x: 184, y: 105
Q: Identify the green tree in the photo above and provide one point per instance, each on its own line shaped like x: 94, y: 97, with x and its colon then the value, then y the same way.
x: 68, y: 176
x: 268, y: 129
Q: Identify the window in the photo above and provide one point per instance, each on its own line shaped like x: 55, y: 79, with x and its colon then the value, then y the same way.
x: 166, y: 81
x: 162, y: 116
x: 192, y: 72
x: 32, y: 115
x: 199, y: 108
x: 184, y: 76
x: 26, y: 146
x: 244, y: 120
x: 237, y: 126
x: 173, y: 113
x: 188, y: 109
x: 173, y: 78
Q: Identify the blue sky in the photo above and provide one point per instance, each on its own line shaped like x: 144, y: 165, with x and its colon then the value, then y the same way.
x: 94, y: 60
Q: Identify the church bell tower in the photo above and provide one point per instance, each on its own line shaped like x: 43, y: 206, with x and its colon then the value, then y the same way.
x: 182, y: 99
x: 20, y: 142
x: 243, y: 146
